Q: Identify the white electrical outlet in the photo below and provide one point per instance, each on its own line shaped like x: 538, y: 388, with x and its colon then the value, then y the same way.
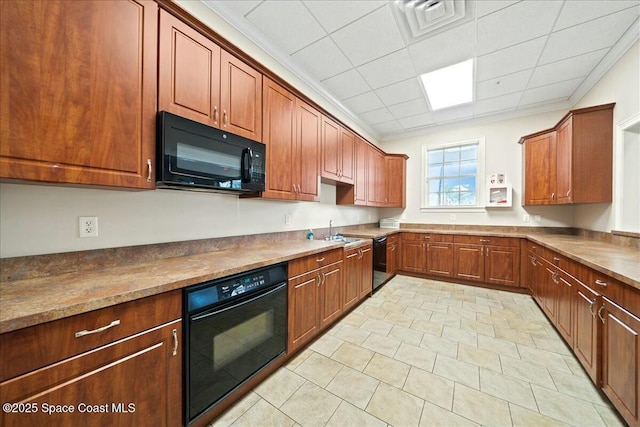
x: 287, y: 219
x: 526, y: 218
x: 452, y: 217
x: 88, y: 226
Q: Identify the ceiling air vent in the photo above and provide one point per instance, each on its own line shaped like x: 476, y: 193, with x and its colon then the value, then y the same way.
x: 420, y: 18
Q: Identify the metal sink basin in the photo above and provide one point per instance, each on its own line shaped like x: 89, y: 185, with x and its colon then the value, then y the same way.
x: 339, y: 238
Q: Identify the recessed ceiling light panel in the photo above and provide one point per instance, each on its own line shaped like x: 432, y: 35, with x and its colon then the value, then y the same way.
x: 449, y: 86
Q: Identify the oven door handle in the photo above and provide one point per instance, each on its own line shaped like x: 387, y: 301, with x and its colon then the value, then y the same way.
x: 232, y: 306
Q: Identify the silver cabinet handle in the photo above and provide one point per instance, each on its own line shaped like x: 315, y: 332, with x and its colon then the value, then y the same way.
x: 533, y: 261
x: 554, y: 277
x: 591, y: 304
x: 553, y: 196
x: 482, y: 251
x: 485, y: 240
x: 568, y: 192
x: 95, y: 331
x: 556, y: 259
x: 487, y: 251
x: 150, y: 169
x: 175, y: 341
x: 600, y: 313
x: 224, y: 117
x: 601, y: 283
x: 319, y: 280
x: 215, y: 114
x: 320, y: 259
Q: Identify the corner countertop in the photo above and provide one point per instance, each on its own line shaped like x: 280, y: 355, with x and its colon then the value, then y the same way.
x: 621, y: 263
x: 30, y: 302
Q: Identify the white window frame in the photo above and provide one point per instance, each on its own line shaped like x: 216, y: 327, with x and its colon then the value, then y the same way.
x: 480, y: 179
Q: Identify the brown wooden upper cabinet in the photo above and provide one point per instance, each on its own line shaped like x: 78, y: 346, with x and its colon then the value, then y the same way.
x: 356, y: 194
x: 573, y: 162
x: 292, y: 137
x: 79, y: 92
x: 338, y: 145
x: 201, y: 81
x: 376, y: 176
x: 396, y: 180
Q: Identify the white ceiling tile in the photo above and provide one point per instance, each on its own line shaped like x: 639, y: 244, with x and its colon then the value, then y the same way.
x: 370, y: 37
x: 510, y: 60
x: 587, y: 37
x: 301, y: 28
x: 416, y: 121
x: 399, y: 92
x: 238, y: 7
x: 409, y: 108
x: 453, y: 114
x: 387, y: 70
x: 444, y: 49
x: 500, y: 103
x: 516, y: 82
x: 486, y: 7
x: 578, y: 11
x: 578, y: 66
x: 377, y: 116
x: 387, y: 127
x: 523, y: 21
x: 561, y: 90
x: 333, y: 14
x: 346, y: 85
x: 322, y: 59
x: 362, y: 103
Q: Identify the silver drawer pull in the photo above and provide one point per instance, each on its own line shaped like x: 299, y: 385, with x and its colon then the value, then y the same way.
x: 599, y: 313
x: 601, y: 283
x: 95, y: 331
x: 175, y: 341
x: 320, y: 259
x: 150, y: 169
x: 556, y: 259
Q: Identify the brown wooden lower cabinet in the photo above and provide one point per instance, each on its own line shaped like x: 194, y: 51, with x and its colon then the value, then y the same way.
x: 135, y: 380
x: 413, y: 257
x: 358, y: 271
x: 440, y: 258
x: 487, y: 259
x: 315, y: 295
x: 586, y: 329
x: 621, y: 359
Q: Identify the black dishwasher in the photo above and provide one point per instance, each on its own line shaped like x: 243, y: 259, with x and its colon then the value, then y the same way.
x: 379, y: 261
x: 234, y: 327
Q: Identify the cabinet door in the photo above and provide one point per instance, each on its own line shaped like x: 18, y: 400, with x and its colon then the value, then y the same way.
x: 240, y: 97
x: 352, y: 277
x: 331, y: 294
x: 303, y: 309
x: 331, y: 134
x: 621, y: 360
x: 540, y: 170
x: 376, y: 192
x: 347, y: 166
x: 565, y: 291
x: 502, y: 265
x: 366, y: 265
x: 440, y: 259
x: 188, y: 72
x: 134, y: 381
x: 392, y: 258
x: 564, y: 156
x: 360, y: 182
x: 537, y: 278
x: 549, y: 290
x: 395, y: 181
x: 279, y: 136
x: 413, y: 256
x: 78, y: 91
x: 586, y: 329
x: 307, y: 151
x: 469, y: 262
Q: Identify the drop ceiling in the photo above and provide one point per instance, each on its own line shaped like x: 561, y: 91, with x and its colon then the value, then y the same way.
x: 530, y: 56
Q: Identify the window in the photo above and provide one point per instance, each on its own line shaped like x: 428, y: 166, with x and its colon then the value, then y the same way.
x: 453, y: 175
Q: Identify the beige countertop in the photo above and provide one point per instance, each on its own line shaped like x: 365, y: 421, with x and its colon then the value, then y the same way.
x: 33, y: 301
x: 30, y: 302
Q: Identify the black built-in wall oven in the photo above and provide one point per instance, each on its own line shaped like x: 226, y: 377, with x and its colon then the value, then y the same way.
x: 234, y: 327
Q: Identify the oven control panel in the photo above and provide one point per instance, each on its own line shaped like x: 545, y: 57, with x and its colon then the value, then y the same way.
x: 209, y: 294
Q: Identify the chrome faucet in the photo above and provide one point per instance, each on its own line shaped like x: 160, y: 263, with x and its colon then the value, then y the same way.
x: 330, y: 222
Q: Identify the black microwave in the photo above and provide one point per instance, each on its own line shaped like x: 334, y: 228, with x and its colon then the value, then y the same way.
x: 195, y: 156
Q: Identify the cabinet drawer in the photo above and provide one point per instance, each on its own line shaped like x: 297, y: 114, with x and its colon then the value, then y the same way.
x: 618, y: 292
x: 31, y: 348
x: 309, y: 263
x: 486, y: 240
x: 428, y: 237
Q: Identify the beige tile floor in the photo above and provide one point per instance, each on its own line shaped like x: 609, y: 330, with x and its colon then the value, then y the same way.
x: 428, y: 353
